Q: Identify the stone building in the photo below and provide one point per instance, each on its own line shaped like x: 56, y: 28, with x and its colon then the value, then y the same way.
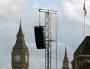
x: 20, y: 53
x: 82, y: 55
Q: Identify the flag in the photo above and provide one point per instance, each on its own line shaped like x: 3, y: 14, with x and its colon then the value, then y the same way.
x: 84, y: 8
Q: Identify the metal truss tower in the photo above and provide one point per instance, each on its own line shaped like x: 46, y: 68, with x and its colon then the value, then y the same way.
x: 48, y: 37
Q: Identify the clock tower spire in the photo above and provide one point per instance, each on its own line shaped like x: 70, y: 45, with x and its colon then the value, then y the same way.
x: 20, y: 53
x: 65, y: 61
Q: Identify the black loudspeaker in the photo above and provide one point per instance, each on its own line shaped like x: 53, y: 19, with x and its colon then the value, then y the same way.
x: 39, y: 37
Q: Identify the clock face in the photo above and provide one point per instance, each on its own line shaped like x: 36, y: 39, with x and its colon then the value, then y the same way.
x: 17, y: 58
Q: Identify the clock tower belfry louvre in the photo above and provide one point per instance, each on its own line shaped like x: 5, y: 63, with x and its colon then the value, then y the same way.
x: 20, y: 53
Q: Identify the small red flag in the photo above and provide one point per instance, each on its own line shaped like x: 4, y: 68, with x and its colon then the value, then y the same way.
x: 84, y: 8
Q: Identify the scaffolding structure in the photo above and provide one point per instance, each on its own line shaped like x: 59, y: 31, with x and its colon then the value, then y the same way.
x: 48, y: 37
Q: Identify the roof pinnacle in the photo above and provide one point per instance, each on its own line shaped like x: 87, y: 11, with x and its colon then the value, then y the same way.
x: 20, y: 29
x: 65, y: 51
x: 65, y: 60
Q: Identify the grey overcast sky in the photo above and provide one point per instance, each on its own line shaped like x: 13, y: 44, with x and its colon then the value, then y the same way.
x: 70, y: 28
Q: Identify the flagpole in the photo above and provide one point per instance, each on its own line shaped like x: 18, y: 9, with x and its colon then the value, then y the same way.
x: 85, y: 12
x: 84, y: 26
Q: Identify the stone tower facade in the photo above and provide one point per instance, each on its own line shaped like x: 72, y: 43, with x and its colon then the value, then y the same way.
x: 20, y: 53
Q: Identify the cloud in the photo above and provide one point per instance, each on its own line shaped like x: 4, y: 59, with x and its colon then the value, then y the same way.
x: 9, y: 6
x: 69, y: 8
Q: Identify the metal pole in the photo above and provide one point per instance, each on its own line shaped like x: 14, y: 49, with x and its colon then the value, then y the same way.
x: 56, y: 40
x: 50, y: 38
x: 39, y: 18
x: 84, y: 26
x: 47, y: 39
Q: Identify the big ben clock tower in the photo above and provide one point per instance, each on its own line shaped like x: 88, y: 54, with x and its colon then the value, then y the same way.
x: 20, y: 54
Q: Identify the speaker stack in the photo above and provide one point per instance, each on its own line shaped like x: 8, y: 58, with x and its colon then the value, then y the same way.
x: 39, y: 37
